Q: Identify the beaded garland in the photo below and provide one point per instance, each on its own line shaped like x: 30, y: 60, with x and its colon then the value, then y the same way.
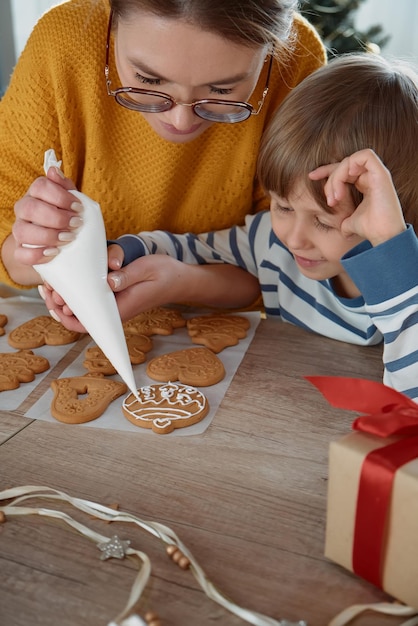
x: 114, y: 547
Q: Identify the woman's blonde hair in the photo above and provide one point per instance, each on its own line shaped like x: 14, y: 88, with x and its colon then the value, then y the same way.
x: 357, y: 101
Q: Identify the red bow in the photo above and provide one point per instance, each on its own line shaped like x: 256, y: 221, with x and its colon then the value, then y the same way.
x: 388, y: 413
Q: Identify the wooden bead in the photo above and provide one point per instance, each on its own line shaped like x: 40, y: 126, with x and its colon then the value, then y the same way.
x: 178, y: 557
x: 152, y: 619
x: 171, y: 549
x: 183, y: 562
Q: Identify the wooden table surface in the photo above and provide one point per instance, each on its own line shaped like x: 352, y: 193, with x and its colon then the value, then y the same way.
x: 247, y: 497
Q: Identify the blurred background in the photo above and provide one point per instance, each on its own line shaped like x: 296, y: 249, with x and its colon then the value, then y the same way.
x: 389, y: 27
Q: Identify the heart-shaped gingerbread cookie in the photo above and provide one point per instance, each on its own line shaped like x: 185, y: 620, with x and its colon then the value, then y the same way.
x: 83, y: 398
x: 39, y: 331
x: 199, y: 367
x: 158, y: 321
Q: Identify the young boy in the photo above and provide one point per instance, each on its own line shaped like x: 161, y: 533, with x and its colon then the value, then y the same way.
x: 337, y: 253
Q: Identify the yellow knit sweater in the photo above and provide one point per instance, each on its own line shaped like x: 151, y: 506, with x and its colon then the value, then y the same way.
x: 57, y: 99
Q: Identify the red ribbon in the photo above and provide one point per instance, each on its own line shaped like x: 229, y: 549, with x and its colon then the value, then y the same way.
x: 388, y: 413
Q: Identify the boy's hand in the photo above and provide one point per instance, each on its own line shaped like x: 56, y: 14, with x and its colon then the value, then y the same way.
x: 379, y: 216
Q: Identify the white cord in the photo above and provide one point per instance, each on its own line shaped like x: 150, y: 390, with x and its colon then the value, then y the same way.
x: 113, y: 546
x: 162, y: 532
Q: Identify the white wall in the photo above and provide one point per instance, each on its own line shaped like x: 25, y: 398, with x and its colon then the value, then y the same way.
x: 25, y: 14
x: 398, y: 18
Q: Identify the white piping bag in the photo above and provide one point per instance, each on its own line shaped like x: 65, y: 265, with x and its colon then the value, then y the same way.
x: 79, y: 274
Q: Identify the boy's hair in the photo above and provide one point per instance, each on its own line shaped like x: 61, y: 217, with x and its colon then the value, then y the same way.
x: 357, y: 101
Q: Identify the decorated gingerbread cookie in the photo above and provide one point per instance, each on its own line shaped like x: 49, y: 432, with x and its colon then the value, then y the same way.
x: 158, y: 321
x: 199, y: 367
x: 165, y: 407
x: 83, y: 398
x: 3, y: 322
x: 40, y: 331
x: 97, y: 362
x: 20, y: 367
x: 217, y: 331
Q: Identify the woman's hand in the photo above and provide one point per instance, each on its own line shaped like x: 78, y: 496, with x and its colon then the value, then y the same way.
x: 46, y: 218
x: 379, y: 215
x: 158, y: 280
x: 143, y: 284
x: 150, y: 281
x: 58, y: 309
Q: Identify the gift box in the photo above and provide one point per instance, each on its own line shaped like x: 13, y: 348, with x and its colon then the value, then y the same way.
x: 372, y: 509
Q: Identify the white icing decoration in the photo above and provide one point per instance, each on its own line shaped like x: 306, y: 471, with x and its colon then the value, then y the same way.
x: 184, y: 402
x: 79, y: 274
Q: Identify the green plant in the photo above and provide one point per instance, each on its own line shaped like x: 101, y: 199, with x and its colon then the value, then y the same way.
x: 334, y: 21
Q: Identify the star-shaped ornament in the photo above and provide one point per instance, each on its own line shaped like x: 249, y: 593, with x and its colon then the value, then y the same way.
x: 115, y: 548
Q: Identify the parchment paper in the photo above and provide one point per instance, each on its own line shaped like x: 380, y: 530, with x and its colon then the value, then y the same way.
x: 20, y: 309
x: 113, y: 417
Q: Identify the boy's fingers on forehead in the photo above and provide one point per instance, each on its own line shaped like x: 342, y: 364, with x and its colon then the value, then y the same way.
x: 323, y: 171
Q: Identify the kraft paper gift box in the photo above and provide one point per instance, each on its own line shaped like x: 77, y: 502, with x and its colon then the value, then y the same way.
x: 372, y: 509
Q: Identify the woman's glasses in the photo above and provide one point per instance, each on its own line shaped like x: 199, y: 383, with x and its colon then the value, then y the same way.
x: 213, y: 110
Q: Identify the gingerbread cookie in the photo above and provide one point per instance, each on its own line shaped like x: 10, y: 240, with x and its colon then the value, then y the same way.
x: 165, y: 407
x: 40, y: 331
x: 193, y: 366
x: 3, y: 322
x: 20, y: 367
x: 217, y: 331
x: 138, y: 346
x: 97, y: 362
x: 68, y: 406
x: 158, y: 321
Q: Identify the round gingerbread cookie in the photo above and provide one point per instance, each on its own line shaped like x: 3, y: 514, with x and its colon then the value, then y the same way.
x: 165, y: 407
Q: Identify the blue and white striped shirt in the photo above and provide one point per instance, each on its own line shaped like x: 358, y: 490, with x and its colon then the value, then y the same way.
x: 386, y: 276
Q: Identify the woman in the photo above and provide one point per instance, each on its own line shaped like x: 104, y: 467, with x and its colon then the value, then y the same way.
x: 175, y: 161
